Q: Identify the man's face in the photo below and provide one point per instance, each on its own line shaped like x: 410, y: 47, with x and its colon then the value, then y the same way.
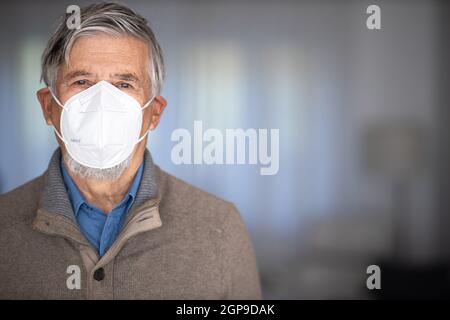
x: 123, y: 61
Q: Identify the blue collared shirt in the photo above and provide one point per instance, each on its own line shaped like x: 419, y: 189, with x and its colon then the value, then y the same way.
x: 100, y: 229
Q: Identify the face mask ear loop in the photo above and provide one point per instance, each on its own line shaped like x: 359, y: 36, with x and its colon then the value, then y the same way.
x: 57, y: 133
x: 146, y: 132
x: 60, y: 104
x: 56, y: 99
x: 142, y: 138
x: 148, y: 103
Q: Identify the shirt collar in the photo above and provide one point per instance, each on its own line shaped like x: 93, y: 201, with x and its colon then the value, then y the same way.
x: 136, y: 183
x: 75, y: 196
x: 77, y: 199
x: 55, y: 198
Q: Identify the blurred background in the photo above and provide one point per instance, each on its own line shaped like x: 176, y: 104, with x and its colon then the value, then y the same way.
x: 363, y: 118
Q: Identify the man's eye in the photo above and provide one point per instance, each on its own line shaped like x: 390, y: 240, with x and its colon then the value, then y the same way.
x: 124, y: 85
x: 80, y: 82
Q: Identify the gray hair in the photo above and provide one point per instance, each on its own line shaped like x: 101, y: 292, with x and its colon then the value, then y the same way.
x: 108, y: 18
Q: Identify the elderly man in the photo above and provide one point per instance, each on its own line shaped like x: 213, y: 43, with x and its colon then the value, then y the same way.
x: 104, y: 222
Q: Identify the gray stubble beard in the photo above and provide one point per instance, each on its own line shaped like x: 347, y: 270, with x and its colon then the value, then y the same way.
x: 107, y: 174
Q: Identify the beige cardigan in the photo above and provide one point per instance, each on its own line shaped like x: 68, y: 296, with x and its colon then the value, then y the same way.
x: 178, y: 242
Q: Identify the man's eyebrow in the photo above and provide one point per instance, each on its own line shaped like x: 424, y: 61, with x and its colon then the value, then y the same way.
x: 76, y: 73
x: 126, y: 76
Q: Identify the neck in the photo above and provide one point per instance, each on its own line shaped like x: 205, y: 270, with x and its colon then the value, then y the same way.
x: 106, y: 195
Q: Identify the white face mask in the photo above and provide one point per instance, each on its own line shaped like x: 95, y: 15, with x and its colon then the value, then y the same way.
x: 101, y: 125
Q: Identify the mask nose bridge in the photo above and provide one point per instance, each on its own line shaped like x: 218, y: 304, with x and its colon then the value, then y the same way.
x: 112, y: 100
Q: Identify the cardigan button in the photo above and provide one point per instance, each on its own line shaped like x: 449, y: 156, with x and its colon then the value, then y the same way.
x: 99, y: 274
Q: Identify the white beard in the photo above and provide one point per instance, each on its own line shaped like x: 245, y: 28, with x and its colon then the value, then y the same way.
x: 82, y: 171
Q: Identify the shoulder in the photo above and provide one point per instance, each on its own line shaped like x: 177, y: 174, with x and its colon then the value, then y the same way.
x: 183, y: 199
x: 20, y: 204
x: 218, y: 229
x: 180, y: 195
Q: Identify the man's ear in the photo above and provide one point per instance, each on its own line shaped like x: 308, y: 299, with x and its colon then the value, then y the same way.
x: 45, y: 99
x: 158, y: 106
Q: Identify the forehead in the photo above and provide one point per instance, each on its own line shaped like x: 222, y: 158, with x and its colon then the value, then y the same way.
x: 103, y: 55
